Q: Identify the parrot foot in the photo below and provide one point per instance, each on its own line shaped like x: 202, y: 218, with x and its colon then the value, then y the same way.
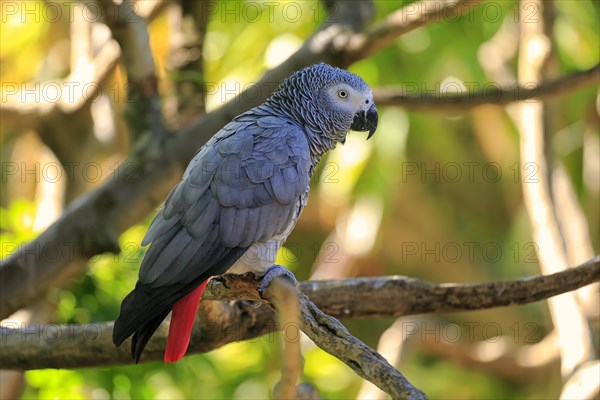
x: 276, y: 271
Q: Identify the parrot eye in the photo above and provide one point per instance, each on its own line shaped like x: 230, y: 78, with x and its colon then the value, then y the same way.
x: 343, y: 94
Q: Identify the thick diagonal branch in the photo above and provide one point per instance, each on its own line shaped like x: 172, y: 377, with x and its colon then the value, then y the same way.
x: 330, y: 335
x: 410, y: 17
x: 333, y: 337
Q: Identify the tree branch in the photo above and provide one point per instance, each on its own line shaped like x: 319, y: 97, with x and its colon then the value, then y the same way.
x: 219, y: 323
x: 447, y: 102
x: 143, y: 110
x: 333, y: 337
x: 92, y: 225
x: 412, y: 16
x: 22, y: 114
x: 390, y: 347
x: 188, y: 25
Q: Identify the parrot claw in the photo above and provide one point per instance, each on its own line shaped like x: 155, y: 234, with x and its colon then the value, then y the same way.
x: 276, y: 271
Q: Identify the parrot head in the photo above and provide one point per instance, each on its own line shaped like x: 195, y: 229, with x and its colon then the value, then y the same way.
x: 344, y: 100
x: 333, y: 101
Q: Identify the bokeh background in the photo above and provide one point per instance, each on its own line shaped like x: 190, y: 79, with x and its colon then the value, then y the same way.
x: 432, y: 195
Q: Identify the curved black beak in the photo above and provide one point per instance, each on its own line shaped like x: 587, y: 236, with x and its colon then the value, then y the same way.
x: 366, y: 121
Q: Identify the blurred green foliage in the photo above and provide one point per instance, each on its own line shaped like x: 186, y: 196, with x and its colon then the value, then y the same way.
x: 422, y: 211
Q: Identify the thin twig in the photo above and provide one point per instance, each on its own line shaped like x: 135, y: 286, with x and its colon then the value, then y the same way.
x: 73, y: 346
x: 398, y: 23
x: 500, y: 96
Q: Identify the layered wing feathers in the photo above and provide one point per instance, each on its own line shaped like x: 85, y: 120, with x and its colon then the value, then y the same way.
x: 242, y: 187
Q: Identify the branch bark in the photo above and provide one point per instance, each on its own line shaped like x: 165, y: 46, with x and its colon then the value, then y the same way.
x: 92, y: 225
x: 333, y: 337
x: 408, y: 18
x: 143, y: 110
x: 500, y: 96
x: 222, y: 322
x: 188, y: 26
x: 20, y: 114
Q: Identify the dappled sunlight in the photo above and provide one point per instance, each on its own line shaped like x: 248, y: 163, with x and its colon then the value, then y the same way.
x: 490, y: 349
x: 281, y: 48
x: 359, y: 229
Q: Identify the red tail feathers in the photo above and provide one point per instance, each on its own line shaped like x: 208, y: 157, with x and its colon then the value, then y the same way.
x: 182, y: 319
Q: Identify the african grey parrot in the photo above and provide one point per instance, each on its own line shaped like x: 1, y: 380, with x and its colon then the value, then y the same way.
x: 239, y: 199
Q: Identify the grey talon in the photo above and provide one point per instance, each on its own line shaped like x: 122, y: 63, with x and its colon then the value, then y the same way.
x: 276, y: 271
